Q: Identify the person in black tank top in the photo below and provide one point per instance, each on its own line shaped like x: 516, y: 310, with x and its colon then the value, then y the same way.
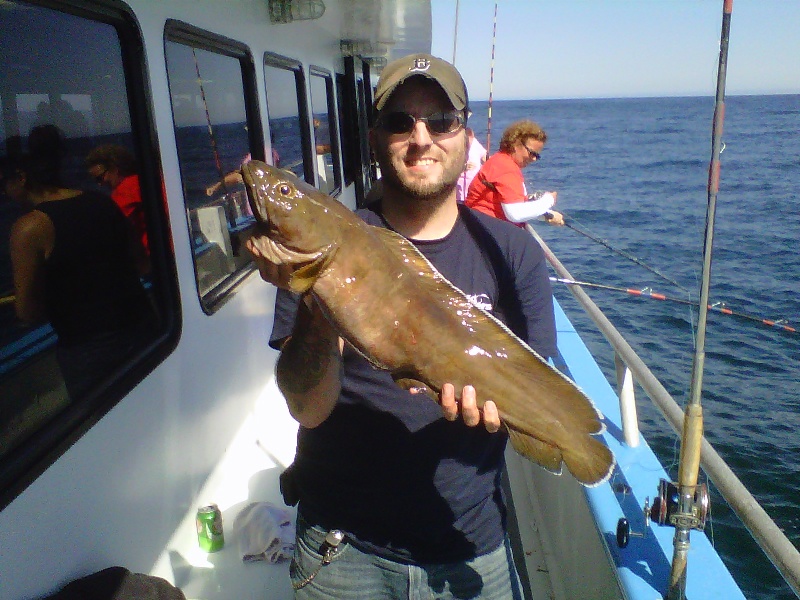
x: 74, y: 265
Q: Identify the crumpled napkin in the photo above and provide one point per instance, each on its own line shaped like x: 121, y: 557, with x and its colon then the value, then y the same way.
x: 265, y: 532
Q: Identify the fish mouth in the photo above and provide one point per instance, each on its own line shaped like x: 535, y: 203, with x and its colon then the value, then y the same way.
x: 251, y: 185
x: 277, y: 253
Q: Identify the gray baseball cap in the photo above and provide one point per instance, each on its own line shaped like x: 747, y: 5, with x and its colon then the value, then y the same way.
x: 440, y: 71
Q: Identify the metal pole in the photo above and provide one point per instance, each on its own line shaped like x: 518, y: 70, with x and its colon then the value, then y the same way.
x: 491, y: 83
x: 455, y: 34
x: 691, y: 440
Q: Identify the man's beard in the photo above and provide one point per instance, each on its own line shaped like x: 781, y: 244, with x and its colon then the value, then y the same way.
x: 420, y: 189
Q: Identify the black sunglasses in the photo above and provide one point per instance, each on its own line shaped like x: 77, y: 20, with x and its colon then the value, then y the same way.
x: 438, y: 123
x: 99, y: 178
x: 533, y: 154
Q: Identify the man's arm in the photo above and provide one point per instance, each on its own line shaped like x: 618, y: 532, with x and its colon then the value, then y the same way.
x: 308, y: 370
x: 309, y: 367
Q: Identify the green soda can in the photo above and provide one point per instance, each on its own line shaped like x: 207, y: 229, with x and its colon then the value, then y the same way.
x: 209, y: 528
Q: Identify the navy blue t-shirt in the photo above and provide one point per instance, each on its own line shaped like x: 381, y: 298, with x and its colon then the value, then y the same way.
x: 385, y: 466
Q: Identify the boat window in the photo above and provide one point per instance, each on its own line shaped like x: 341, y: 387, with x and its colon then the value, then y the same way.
x: 88, y: 302
x: 347, y: 129
x: 355, y: 122
x: 326, y: 136
x: 288, y: 115
x: 216, y: 132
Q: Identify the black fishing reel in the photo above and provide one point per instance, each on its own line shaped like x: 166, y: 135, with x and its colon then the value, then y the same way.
x: 666, y: 511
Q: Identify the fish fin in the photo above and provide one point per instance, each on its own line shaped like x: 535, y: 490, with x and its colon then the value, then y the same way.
x: 303, y: 278
x: 406, y: 252
x: 409, y: 383
x: 548, y: 456
x: 394, y: 240
x: 415, y: 261
x: 590, y: 463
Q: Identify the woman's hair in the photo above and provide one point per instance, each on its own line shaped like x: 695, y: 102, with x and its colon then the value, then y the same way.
x: 42, y: 163
x: 113, y: 156
x: 520, y: 131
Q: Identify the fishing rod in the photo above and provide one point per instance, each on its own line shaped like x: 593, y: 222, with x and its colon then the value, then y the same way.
x: 570, y: 222
x: 719, y: 307
x: 211, y: 135
x: 692, y: 503
x: 491, y: 84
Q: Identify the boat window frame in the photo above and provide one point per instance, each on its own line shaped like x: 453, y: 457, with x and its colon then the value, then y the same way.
x: 278, y: 61
x: 346, y: 132
x: 25, y: 464
x: 180, y: 32
x: 358, y: 94
x: 333, y: 125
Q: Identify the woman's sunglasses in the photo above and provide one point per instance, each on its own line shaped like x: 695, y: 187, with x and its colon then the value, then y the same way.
x: 438, y: 123
x: 532, y: 153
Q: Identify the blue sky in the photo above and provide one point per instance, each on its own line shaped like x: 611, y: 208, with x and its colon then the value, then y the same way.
x: 619, y: 48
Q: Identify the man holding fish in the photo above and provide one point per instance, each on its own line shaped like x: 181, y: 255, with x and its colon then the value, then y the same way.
x: 399, y: 496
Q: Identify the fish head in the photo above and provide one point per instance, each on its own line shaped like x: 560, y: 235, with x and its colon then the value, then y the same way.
x: 278, y: 198
x: 297, y: 224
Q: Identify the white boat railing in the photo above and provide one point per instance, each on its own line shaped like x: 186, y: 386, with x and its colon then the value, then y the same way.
x: 627, y: 402
x: 764, y: 530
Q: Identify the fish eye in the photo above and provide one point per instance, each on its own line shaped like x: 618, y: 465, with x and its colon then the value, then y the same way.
x: 285, y: 189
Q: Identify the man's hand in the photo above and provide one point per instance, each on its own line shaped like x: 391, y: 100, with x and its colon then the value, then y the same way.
x: 468, y: 407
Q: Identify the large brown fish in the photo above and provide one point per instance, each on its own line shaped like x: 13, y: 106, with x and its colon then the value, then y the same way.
x: 386, y: 299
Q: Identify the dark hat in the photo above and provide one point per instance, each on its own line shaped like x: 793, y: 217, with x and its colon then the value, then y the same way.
x: 440, y: 71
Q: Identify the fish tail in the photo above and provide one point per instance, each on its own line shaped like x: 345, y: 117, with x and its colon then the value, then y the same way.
x: 590, y: 463
x: 548, y: 456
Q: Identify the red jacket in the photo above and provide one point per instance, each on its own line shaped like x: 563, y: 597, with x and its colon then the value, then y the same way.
x: 128, y: 197
x: 499, y: 181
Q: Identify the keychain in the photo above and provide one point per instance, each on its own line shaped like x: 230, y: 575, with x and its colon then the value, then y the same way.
x: 327, y: 550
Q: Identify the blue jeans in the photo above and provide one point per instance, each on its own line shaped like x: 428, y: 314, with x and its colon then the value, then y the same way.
x: 358, y: 575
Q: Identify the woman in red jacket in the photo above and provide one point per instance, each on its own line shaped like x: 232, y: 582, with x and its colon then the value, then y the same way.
x: 499, y: 187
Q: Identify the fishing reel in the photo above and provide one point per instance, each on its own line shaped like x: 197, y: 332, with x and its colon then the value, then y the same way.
x: 666, y: 511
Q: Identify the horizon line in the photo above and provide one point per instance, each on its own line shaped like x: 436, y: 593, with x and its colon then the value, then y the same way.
x: 634, y: 97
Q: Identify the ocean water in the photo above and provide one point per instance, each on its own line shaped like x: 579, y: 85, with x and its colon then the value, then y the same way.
x: 634, y: 172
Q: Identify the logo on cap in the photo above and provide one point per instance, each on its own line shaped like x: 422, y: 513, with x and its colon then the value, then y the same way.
x: 421, y: 64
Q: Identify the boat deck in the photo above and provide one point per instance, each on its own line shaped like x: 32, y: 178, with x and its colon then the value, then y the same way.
x: 248, y: 472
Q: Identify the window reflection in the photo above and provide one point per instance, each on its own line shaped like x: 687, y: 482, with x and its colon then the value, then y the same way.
x: 284, y: 85
x: 76, y: 264
x: 211, y: 131
x: 77, y: 298
x: 329, y: 178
